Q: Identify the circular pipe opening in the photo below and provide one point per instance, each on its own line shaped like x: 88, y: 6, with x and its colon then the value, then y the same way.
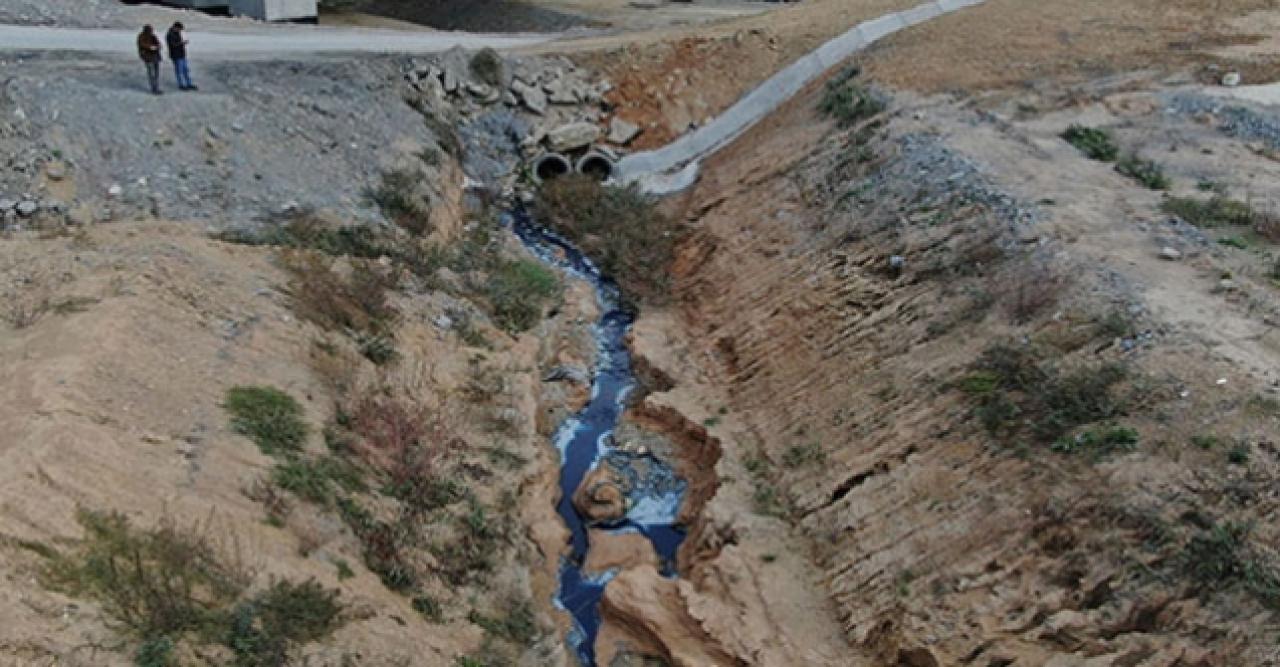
x: 597, y: 166
x: 550, y: 166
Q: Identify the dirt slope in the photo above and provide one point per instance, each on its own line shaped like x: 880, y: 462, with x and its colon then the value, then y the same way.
x: 850, y: 383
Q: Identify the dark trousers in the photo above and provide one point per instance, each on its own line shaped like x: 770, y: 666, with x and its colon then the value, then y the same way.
x: 153, y: 74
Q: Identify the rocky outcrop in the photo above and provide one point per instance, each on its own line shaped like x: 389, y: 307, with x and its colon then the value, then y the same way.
x: 648, y: 614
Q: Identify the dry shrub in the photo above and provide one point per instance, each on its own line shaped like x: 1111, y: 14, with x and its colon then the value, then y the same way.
x: 1030, y: 288
x: 23, y: 313
x: 620, y: 229
x: 1267, y: 225
x: 334, y: 365
x: 276, y: 503
x: 397, y: 438
x: 355, y: 303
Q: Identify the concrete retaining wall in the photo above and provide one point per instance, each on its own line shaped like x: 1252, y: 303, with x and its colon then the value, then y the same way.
x: 275, y: 10
x: 675, y: 166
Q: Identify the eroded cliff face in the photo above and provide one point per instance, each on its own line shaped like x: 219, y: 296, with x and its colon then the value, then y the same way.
x: 842, y: 295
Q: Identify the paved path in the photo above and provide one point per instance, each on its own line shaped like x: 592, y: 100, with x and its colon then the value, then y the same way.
x: 283, y: 40
x: 674, y: 167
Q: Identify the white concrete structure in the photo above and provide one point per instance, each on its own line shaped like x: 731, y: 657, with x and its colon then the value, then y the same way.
x: 674, y: 167
x: 275, y: 10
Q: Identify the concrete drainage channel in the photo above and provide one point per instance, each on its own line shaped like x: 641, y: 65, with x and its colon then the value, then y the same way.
x: 674, y: 167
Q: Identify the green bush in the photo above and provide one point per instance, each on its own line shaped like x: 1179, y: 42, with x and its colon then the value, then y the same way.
x: 155, y: 584
x: 268, y: 416
x: 620, y: 229
x: 518, y: 292
x: 1147, y: 172
x: 1021, y: 393
x: 1217, y: 211
x: 155, y: 653
x: 848, y: 101
x: 317, y: 480
x: 1095, y: 143
x: 263, y: 630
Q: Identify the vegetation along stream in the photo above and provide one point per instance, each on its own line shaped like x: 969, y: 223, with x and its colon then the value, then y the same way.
x: 586, y: 441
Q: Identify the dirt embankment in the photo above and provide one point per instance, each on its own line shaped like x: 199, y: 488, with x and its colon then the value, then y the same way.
x: 857, y: 308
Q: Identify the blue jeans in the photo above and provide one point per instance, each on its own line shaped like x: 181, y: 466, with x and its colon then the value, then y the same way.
x: 183, y: 72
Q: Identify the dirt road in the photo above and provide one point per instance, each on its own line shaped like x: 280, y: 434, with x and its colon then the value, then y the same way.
x: 274, y: 41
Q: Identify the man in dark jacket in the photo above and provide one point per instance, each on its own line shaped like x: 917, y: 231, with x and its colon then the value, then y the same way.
x: 178, y: 54
x: 149, y: 51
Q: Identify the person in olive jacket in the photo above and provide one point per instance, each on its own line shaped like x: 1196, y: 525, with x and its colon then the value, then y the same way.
x: 178, y: 54
x: 149, y: 51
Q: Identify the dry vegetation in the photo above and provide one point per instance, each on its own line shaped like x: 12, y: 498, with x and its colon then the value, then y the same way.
x: 620, y: 229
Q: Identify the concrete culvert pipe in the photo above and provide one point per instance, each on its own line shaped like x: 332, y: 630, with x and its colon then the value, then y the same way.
x: 597, y: 165
x: 550, y: 166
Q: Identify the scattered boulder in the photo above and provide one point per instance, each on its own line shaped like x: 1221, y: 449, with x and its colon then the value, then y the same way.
x: 1231, y: 79
x: 1170, y: 254
x: 572, y: 136
x: 27, y: 208
x: 55, y: 171
x: 560, y: 91
x: 7, y: 205
x: 531, y: 96
x: 622, y: 132
x: 600, y: 498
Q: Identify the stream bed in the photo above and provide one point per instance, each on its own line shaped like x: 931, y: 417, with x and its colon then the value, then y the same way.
x: 586, y: 440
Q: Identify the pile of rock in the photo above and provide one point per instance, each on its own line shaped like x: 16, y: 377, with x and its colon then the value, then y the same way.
x: 565, y: 104
x: 27, y: 211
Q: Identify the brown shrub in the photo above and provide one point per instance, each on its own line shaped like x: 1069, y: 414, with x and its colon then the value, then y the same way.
x: 356, y: 303
x: 397, y: 438
x: 620, y: 229
x: 1030, y: 288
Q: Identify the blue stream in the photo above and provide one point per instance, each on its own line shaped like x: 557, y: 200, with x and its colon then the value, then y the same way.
x: 584, y: 441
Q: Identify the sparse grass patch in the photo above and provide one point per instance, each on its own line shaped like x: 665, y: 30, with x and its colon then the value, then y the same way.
x: 1147, y: 172
x: 355, y: 304
x: 1205, y: 442
x: 619, y: 228
x: 1031, y: 288
x: 168, y: 583
x: 396, y: 195
x: 848, y: 101
x: 305, y: 231
x: 1099, y: 442
x: 1237, y: 242
x: 518, y: 292
x: 1021, y: 393
x: 1095, y: 143
x: 1238, y: 454
x: 268, y: 416
x: 264, y: 629
x: 317, y: 480
x: 802, y: 455
x: 1217, y: 211
x: 1219, y: 557
x: 516, y: 623
x: 429, y: 608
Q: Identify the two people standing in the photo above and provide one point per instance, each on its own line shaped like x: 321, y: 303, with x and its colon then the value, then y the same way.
x: 149, y: 52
